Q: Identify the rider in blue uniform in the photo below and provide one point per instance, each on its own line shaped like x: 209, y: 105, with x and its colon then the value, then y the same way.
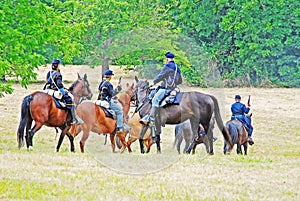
x: 170, y: 76
x: 54, y: 81
x: 106, y: 92
x: 239, y: 110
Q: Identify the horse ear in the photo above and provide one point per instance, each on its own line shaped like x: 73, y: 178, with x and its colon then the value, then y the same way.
x: 78, y: 76
x: 85, y: 77
x: 132, y: 86
x: 136, y: 78
x: 127, y: 85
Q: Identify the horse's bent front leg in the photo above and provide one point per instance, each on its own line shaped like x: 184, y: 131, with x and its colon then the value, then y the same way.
x: 123, y: 141
x: 130, y: 141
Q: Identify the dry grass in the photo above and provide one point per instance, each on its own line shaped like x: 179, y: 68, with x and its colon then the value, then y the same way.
x: 269, y: 172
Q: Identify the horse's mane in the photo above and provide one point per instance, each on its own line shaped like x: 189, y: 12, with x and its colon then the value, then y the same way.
x: 73, y: 85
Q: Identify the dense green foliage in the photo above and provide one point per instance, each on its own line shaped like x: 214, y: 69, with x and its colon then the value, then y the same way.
x: 240, y: 42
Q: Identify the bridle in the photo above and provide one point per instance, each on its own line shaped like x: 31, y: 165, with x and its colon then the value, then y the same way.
x: 84, y: 85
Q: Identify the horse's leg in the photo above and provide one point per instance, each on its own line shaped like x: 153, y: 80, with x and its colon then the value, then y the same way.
x: 31, y: 133
x: 141, y: 140
x: 71, y: 138
x: 123, y: 141
x: 245, y: 147
x: 84, y: 137
x: 194, y: 127
x: 112, y: 141
x: 179, y: 137
x: 210, y: 138
x: 239, y: 144
x: 60, y: 140
x: 28, y: 127
x: 130, y: 141
x: 149, y: 144
x: 158, y: 143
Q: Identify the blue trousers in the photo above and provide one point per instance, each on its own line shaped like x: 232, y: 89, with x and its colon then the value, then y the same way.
x: 119, y: 112
x: 160, y: 94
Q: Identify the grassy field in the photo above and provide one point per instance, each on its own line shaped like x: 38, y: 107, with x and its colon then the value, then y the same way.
x: 269, y: 172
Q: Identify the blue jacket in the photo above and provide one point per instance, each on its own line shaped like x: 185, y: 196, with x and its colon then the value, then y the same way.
x: 106, y: 90
x: 169, y: 76
x: 57, y: 77
x: 238, y: 108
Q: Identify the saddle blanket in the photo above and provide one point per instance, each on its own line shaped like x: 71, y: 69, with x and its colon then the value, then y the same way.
x: 57, y: 97
x: 104, y: 105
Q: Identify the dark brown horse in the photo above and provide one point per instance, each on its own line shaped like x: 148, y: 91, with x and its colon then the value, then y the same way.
x: 238, y: 134
x: 195, y: 106
x: 41, y: 108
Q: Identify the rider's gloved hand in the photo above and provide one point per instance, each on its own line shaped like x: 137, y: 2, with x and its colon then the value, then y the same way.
x: 62, y: 91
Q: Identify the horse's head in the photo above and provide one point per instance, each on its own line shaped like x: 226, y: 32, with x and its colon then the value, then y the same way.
x: 142, y: 90
x: 130, y: 90
x: 81, y: 90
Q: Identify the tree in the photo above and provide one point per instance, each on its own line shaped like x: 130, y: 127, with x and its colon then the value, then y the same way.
x: 27, y: 28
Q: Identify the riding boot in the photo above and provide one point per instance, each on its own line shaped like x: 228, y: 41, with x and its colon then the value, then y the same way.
x: 152, y: 116
x: 250, y: 140
x: 75, y: 117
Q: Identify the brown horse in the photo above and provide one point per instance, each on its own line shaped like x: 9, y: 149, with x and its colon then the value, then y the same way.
x: 41, y: 108
x: 95, y: 120
x: 238, y: 134
x: 195, y: 106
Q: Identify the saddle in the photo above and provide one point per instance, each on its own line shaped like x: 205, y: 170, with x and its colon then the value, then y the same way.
x: 57, y: 97
x: 104, y: 105
x: 173, y: 98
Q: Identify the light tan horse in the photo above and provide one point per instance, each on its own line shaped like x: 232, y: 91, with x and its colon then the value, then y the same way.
x: 133, y: 122
x: 95, y: 120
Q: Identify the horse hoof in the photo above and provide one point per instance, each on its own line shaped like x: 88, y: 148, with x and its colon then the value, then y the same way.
x: 211, y: 153
x: 30, y: 148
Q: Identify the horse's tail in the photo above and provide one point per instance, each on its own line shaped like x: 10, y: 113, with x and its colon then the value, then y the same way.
x: 220, y: 123
x: 25, y: 114
x: 233, y: 130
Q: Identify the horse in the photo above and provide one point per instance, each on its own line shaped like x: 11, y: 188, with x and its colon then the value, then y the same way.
x: 136, y: 128
x: 195, y: 106
x: 238, y: 134
x: 183, y: 131
x: 96, y: 121
x: 126, y: 99
x: 40, y: 107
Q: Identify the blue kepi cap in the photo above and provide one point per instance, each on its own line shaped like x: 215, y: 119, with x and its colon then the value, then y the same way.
x: 238, y: 97
x: 170, y: 55
x: 55, y: 61
x: 108, y: 72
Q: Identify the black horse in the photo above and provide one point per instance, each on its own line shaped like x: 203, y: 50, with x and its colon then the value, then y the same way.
x: 195, y: 106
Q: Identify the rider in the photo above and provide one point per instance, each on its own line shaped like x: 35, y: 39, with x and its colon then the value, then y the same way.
x: 106, y: 92
x: 54, y: 81
x: 239, y: 110
x: 170, y: 76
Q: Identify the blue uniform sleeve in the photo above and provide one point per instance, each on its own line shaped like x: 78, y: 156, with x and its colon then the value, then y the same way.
x: 163, y: 74
x: 246, y: 109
